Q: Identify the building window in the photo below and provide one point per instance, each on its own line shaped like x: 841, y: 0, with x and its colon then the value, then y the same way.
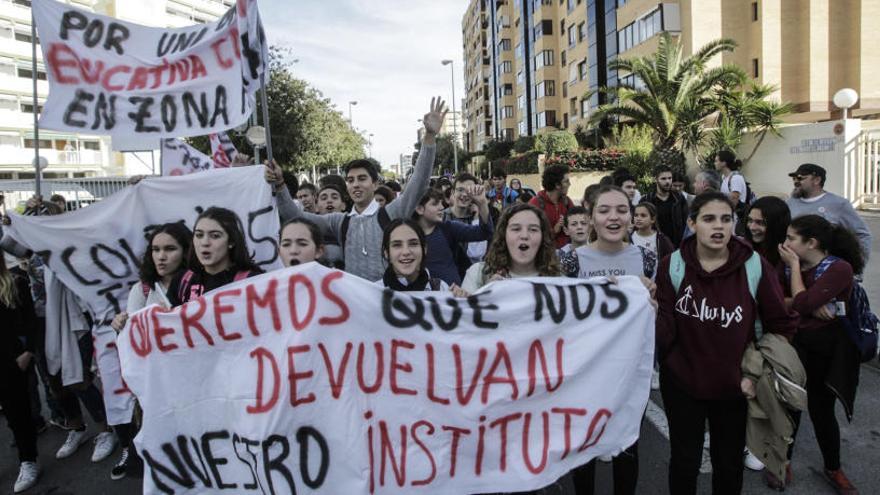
x: 572, y: 36
x: 573, y: 73
x: 582, y: 70
x: 562, y: 60
x: 507, y: 134
x: 520, y: 78
x: 543, y: 59
x: 521, y: 102
x: 585, y: 107
x: 29, y: 74
x: 755, y: 72
x: 23, y: 3
x: 90, y: 145
x: 547, y: 119
x: 29, y: 108
x: 754, y: 11
x: 507, y: 112
x: 522, y: 127
x: 505, y: 45
x: 508, y: 89
x: 44, y: 143
x: 546, y: 88
x: 582, y: 31
x: 506, y: 67
x: 24, y: 36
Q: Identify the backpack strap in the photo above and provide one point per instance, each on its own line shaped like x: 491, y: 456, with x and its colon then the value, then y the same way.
x: 241, y: 275
x: 754, y: 272
x: 384, y: 218
x: 823, y: 266
x: 676, y: 269
x: 343, y: 231
x: 184, y: 284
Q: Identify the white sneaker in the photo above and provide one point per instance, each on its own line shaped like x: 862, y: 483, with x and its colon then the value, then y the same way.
x: 655, y: 381
x: 753, y: 462
x: 105, y: 444
x: 71, y: 445
x: 27, y: 476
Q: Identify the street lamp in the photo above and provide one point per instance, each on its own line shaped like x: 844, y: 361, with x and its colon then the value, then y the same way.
x: 454, y: 118
x: 845, y: 99
x: 350, y: 121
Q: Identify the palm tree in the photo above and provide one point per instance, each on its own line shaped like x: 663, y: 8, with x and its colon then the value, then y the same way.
x: 741, y: 110
x: 675, y: 95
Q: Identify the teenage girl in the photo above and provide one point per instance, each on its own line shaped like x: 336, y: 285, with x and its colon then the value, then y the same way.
x: 219, y: 256
x: 821, y: 260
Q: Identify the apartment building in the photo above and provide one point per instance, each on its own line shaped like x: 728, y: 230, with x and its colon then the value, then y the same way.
x: 561, y: 50
x: 70, y: 155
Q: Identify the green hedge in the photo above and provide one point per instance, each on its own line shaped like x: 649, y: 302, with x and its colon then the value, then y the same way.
x: 588, y: 160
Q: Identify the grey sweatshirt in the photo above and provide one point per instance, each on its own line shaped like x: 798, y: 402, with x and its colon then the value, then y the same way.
x: 363, y: 244
x: 837, y: 210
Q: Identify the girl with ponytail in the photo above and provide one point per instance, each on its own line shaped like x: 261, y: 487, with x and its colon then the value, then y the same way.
x: 821, y: 260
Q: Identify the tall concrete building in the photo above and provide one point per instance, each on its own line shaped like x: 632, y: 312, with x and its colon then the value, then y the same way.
x: 534, y: 65
x: 70, y: 155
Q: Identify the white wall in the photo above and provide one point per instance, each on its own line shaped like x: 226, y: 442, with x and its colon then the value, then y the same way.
x: 827, y: 144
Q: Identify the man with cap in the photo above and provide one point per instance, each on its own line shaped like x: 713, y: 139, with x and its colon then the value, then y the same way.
x: 810, y: 198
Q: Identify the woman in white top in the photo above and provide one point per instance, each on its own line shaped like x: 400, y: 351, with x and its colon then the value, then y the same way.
x: 167, y: 247
x: 404, y: 249
x: 521, y: 247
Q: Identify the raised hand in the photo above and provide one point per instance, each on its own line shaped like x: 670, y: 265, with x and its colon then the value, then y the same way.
x: 478, y: 195
x: 433, y: 120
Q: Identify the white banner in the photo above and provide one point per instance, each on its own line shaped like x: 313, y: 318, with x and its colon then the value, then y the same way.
x: 179, y: 158
x: 222, y: 149
x: 108, y: 76
x: 97, y: 251
x: 310, y: 380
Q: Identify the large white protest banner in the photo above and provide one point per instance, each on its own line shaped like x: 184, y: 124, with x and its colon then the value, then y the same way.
x: 179, y: 158
x: 108, y: 76
x: 310, y: 380
x: 96, y: 251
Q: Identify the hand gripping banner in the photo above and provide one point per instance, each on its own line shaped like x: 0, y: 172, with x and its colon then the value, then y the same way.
x: 310, y: 380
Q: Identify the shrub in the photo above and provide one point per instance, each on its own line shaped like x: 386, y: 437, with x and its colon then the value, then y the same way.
x: 556, y: 142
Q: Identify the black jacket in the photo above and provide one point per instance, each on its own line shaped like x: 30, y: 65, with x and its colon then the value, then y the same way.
x: 679, y: 215
x: 17, y: 325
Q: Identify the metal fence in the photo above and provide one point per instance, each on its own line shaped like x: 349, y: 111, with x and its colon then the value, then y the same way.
x: 865, y: 171
x: 77, y: 192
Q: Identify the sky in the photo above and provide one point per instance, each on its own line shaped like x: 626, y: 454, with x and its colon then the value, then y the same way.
x: 384, y: 54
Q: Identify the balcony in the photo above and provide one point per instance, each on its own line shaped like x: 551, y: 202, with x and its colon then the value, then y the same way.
x: 12, y: 156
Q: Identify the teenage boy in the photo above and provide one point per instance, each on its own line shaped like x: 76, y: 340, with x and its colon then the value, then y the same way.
x: 672, y: 207
x: 500, y: 195
x: 360, y: 231
x: 306, y: 195
x: 554, y: 201
x: 445, y: 259
x: 466, y: 210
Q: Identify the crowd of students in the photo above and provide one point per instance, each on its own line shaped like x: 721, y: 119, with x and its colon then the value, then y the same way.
x: 788, y: 274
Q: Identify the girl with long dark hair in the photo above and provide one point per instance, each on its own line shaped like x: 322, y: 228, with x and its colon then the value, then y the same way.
x: 300, y: 241
x: 767, y: 224
x: 710, y: 293
x: 821, y: 260
x: 218, y: 256
x: 405, y: 250
x: 16, y: 357
x: 165, y: 258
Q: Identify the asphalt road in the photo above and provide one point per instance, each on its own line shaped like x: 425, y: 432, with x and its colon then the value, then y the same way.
x: 860, y: 445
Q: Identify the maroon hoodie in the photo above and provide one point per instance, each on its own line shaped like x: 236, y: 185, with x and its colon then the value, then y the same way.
x: 702, y: 331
